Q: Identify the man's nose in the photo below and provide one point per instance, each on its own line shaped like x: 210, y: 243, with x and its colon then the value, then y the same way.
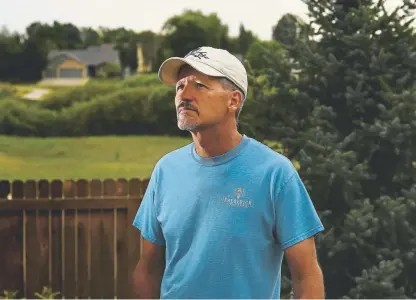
x: 186, y: 93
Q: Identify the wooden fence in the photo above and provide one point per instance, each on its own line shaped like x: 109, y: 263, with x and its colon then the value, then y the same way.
x: 73, y: 236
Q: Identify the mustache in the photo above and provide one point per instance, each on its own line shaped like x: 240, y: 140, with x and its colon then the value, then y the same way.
x: 186, y: 105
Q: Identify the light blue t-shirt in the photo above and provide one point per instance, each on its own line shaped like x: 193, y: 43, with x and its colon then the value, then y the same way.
x: 225, y: 221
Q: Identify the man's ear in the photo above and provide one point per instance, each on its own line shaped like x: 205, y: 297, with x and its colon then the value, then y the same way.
x: 236, y: 100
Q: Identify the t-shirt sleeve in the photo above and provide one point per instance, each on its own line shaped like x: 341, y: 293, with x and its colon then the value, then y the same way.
x: 296, y: 217
x: 146, y: 217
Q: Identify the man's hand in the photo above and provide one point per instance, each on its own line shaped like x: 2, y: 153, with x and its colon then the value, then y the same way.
x: 148, y: 274
x: 306, y: 274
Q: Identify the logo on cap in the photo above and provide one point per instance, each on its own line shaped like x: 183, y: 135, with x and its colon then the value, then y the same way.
x: 198, y: 53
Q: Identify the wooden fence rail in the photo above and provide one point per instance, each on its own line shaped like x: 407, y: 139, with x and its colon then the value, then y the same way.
x: 73, y: 236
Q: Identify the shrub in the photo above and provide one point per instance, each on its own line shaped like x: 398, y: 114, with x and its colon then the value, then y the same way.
x: 141, y: 80
x: 64, y: 98
x: 98, y: 108
x: 67, y: 97
x: 130, y: 111
x: 19, y: 118
x: 110, y: 70
x: 7, y: 90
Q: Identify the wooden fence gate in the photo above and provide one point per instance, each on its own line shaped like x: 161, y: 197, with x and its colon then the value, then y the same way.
x: 75, y: 237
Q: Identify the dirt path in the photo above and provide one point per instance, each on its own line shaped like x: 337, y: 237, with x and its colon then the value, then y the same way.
x: 36, y: 94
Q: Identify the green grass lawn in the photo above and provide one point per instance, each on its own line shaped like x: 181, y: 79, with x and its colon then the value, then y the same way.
x: 83, y: 158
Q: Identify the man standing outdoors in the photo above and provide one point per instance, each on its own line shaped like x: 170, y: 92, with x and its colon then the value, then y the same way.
x: 219, y: 214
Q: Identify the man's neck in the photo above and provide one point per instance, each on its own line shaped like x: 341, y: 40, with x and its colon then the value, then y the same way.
x: 214, y: 141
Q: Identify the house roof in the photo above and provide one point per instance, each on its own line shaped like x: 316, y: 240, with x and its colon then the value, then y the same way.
x: 93, y: 55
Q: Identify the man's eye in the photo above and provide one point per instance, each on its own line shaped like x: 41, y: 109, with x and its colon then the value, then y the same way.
x: 200, y: 85
x: 179, y: 87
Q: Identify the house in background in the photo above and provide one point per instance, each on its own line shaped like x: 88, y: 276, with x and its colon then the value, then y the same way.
x: 79, y: 64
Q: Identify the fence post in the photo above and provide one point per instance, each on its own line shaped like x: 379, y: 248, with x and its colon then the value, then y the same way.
x: 133, y: 235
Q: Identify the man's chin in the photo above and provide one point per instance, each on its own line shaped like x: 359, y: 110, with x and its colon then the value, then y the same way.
x: 187, y: 126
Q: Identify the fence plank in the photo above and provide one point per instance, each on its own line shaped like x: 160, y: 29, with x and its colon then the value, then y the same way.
x: 122, y: 187
x: 135, y: 187
x: 96, y: 281
x: 109, y: 187
x: 83, y: 255
x: 70, y: 245
x: 43, y: 189
x: 108, y: 241
x: 102, y: 254
x: 96, y: 188
x: 108, y: 252
x: 122, y: 256
x: 4, y: 189
x: 84, y: 243
x: 57, y: 261
x: 17, y: 189
x: 57, y: 187
x: 11, y: 252
x: 133, y: 236
x: 82, y: 188
x: 37, y: 252
x: 29, y: 190
x: 69, y: 189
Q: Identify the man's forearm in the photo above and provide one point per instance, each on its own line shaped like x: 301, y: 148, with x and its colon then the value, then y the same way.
x: 146, y: 282
x: 147, y: 289
x: 309, y: 287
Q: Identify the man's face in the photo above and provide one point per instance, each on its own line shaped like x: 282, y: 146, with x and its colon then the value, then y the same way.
x: 201, y: 101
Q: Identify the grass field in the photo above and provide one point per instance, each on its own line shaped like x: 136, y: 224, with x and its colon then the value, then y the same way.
x: 87, y: 158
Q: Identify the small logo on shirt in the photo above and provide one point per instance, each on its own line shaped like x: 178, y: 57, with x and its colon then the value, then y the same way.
x: 238, y: 200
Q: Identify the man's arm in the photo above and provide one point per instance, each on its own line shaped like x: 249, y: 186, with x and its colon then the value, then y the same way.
x: 306, y: 274
x: 148, y: 273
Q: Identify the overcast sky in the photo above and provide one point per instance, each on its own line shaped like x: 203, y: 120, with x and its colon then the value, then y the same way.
x: 256, y: 15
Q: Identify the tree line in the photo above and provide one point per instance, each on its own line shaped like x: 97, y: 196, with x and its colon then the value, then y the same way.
x: 24, y: 56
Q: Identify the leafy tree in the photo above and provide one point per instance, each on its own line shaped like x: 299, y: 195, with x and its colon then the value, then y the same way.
x: 193, y: 29
x: 245, y: 39
x: 10, y: 49
x: 90, y: 37
x: 59, y: 35
x: 270, y: 78
x: 22, y: 59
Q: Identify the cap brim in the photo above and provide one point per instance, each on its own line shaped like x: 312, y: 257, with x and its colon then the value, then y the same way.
x: 168, y: 71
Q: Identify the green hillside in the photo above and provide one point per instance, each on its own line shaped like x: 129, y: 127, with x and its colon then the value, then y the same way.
x: 90, y: 157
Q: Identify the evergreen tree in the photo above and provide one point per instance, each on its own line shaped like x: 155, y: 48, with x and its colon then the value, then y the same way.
x: 349, y: 120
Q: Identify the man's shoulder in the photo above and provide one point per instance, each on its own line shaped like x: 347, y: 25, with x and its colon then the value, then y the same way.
x: 267, y: 154
x: 179, y: 154
x: 274, y: 165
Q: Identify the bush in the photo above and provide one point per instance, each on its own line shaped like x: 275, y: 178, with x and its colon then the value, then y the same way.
x: 67, y: 97
x: 7, y: 90
x: 24, y: 119
x: 64, y: 98
x: 141, y: 80
x: 138, y: 105
x: 110, y: 70
x: 130, y: 111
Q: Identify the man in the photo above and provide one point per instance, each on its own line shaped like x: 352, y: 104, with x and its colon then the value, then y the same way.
x: 219, y: 214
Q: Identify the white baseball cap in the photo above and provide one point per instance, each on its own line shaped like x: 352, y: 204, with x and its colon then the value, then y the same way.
x: 209, y: 61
